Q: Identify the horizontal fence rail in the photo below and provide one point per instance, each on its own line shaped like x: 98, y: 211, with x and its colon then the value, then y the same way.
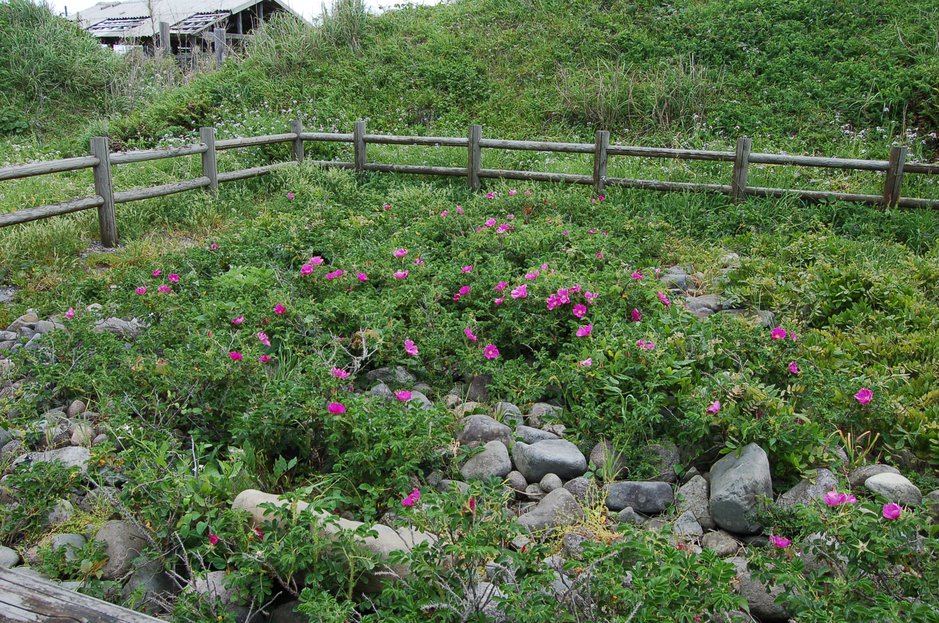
x: 101, y: 159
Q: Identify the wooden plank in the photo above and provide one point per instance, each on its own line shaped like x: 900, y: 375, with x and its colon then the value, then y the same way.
x: 19, y: 171
x: 27, y: 599
x: 574, y: 148
x: 358, y: 144
x: 107, y: 217
x: 815, y: 161
x: 894, y: 175
x: 144, y: 155
x: 434, y: 141
x: 209, y: 158
x: 327, y: 136
x: 600, y: 159
x: 474, y: 156
x: 253, y: 141
x: 296, y: 126
x: 332, y: 164
x: 219, y: 45
x: 231, y: 176
x: 164, y: 41
x: 668, y: 152
x: 738, y: 183
x: 41, y: 212
x: 153, y: 192
x: 624, y: 182
x: 813, y: 195
x: 415, y: 169
x: 536, y: 176
x: 921, y: 167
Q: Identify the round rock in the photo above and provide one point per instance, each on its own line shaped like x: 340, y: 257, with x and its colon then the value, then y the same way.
x: 895, y: 488
x: 552, y: 456
x: 493, y: 461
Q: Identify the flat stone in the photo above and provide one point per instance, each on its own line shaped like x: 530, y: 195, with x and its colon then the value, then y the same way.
x: 478, y: 389
x: 70, y: 457
x: 398, y: 376
x: 82, y: 434
x: 558, y: 508
x: 541, y: 411
x: 664, y: 457
x: 552, y: 456
x: 693, y: 497
x: 125, y: 329
x: 647, y: 497
x: 550, y: 482
x: 809, y: 489
x: 43, y: 326
x: 8, y: 557
x: 76, y: 408
x: 124, y: 542
x: 894, y: 488
x: 628, y: 515
x: 737, y: 485
x: 529, y: 434
x: 382, y: 391
x: 68, y: 542
x: 580, y: 488
x: 675, y: 278
x: 859, y: 476
x: 720, y: 542
x: 492, y: 462
x: 762, y: 601
x: 687, y: 526
x: 62, y: 511
x: 419, y: 400
x: 706, y: 302
x: 507, y: 413
x: 480, y: 429
x: 467, y: 408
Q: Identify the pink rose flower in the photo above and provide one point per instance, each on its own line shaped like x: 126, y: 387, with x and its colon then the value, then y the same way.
x: 780, y: 541
x: 778, y: 333
x: 412, y: 498
x: 585, y: 330
x: 468, y: 332
x: 339, y: 373
x: 280, y: 310
x: 235, y: 355
x: 864, y: 396
x: 410, y: 348
x: 491, y: 351
x: 336, y: 408
x: 635, y: 315
x: 714, y: 407
x: 892, y: 511
x: 403, y: 395
x: 400, y: 252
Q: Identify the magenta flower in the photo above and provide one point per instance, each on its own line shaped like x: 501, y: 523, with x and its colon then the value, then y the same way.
x: 502, y: 228
x: 780, y: 541
x: 513, y: 192
x: 585, y: 330
x: 141, y: 290
x: 565, y: 233
x: 586, y: 363
x: 635, y: 315
x: 491, y: 351
x: 892, y: 511
x: 501, y: 286
x: 490, y: 195
x: 459, y: 209
x: 156, y: 273
x: 499, y: 301
x: 464, y: 290
x: 335, y: 274
x: 579, y: 310
x: 833, y: 498
x: 401, y: 274
x: 173, y: 278
x: 264, y: 358
x: 468, y: 332
x: 290, y: 196
x: 520, y: 292
x: 164, y: 289
x: 637, y: 276
x: 466, y: 269
x: 532, y: 275
x: 336, y: 408
x: 307, y: 269
x: 280, y: 310
x: 714, y: 407
x: 864, y: 396
x: 778, y: 333
x: 400, y: 252
x: 386, y: 207
x: 239, y: 320
x: 645, y: 344
x: 339, y: 373
x: 214, y: 246
x: 410, y: 348
x: 361, y: 276
x: 213, y: 539
x: 418, y: 261
x: 412, y: 498
x: 445, y: 213
x: 403, y: 395
x: 663, y: 298
x: 599, y: 255
x: 70, y: 313
x: 793, y: 368
x: 235, y: 355
x: 590, y: 297
x: 262, y: 337
x: 316, y: 260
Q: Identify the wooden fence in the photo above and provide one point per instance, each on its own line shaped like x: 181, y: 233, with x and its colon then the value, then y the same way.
x: 100, y: 160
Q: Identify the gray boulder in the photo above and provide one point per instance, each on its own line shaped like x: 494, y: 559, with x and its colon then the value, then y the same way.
x: 508, y: 413
x: 213, y: 586
x: 607, y: 461
x: 693, y: 497
x: 558, y: 508
x: 125, y: 329
x: 737, y: 484
x: 647, y: 497
x: 541, y: 411
x: 480, y: 429
x: 67, y: 542
x: 516, y: 481
x: 859, y: 476
x: 382, y: 391
x: 478, y: 390
x: 8, y: 557
x: 687, y: 526
x: 762, y: 601
x: 894, y: 488
x: 720, y: 542
x: 550, y: 482
x: 147, y: 583
x: 419, y: 400
x: 529, y: 434
x: 398, y: 376
x: 675, y: 278
x: 71, y: 456
x: 809, y: 489
x: 493, y: 461
x: 664, y: 457
x: 124, y: 542
x: 580, y: 488
x: 628, y: 515
x: 552, y: 456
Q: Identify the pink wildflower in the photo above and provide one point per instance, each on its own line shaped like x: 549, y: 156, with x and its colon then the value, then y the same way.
x: 468, y: 332
x: 70, y: 313
x: 316, y: 260
x: 520, y: 292
x: 235, y: 355
x: 579, y: 310
x: 464, y: 290
x: 290, y: 196
x: 361, y: 276
x: 499, y: 301
x: 600, y: 255
x: 513, y: 192
x: 635, y: 315
x: 591, y: 296
x: 400, y: 274
x: 173, y: 278
x: 339, y: 373
x: 490, y: 195
x: 336, y: 408
x: 264, y: 358
x: 645, y: 344
x: 501, y: 286
x: 459, y: 209
x: 386, y: 207
x: 307, y: 269
x: 214, y: 246
x: 466, y: 269
x: 335, y: 274
x: 445, y: 213
x: 490, y: 222
x: 239, y: 320
x: 714, y: 407
x: 491, y: 351
x: 892, y: 511
x: 586, y: 363
x: 400, y: 252
x: 262, y: 337
x: 637, y: 276
x: 412, y: 498
x: 833, y: 498
x: 213, y: 539
x: 156, y: 273
x: 793, y: 367
x: 141, y: 290
x: 585, y: 330
x: 403, y: 395
x: 532, y: 275
x: 280, y: 310
x: 164, y: 289
x: 663, y: 298
x: 410, y: 348
x: 778, y: 333
x: 418, y: 261
x: 780, y: 542
x: 864, y: 396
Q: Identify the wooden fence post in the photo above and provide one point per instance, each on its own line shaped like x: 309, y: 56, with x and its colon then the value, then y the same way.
x: 358, y: 142
x: 107, y: 221
x: 219, y: 45
x: 894, y: 175
x: 738, y: 185
x: 600, y: 160
x: 474, y: 157
x: 296, y: 126
x: 165, y: 46
x: 209, y: 159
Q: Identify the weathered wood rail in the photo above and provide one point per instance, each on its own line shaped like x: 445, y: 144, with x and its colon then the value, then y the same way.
x: 25, y: 599
x: 105, y: 198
